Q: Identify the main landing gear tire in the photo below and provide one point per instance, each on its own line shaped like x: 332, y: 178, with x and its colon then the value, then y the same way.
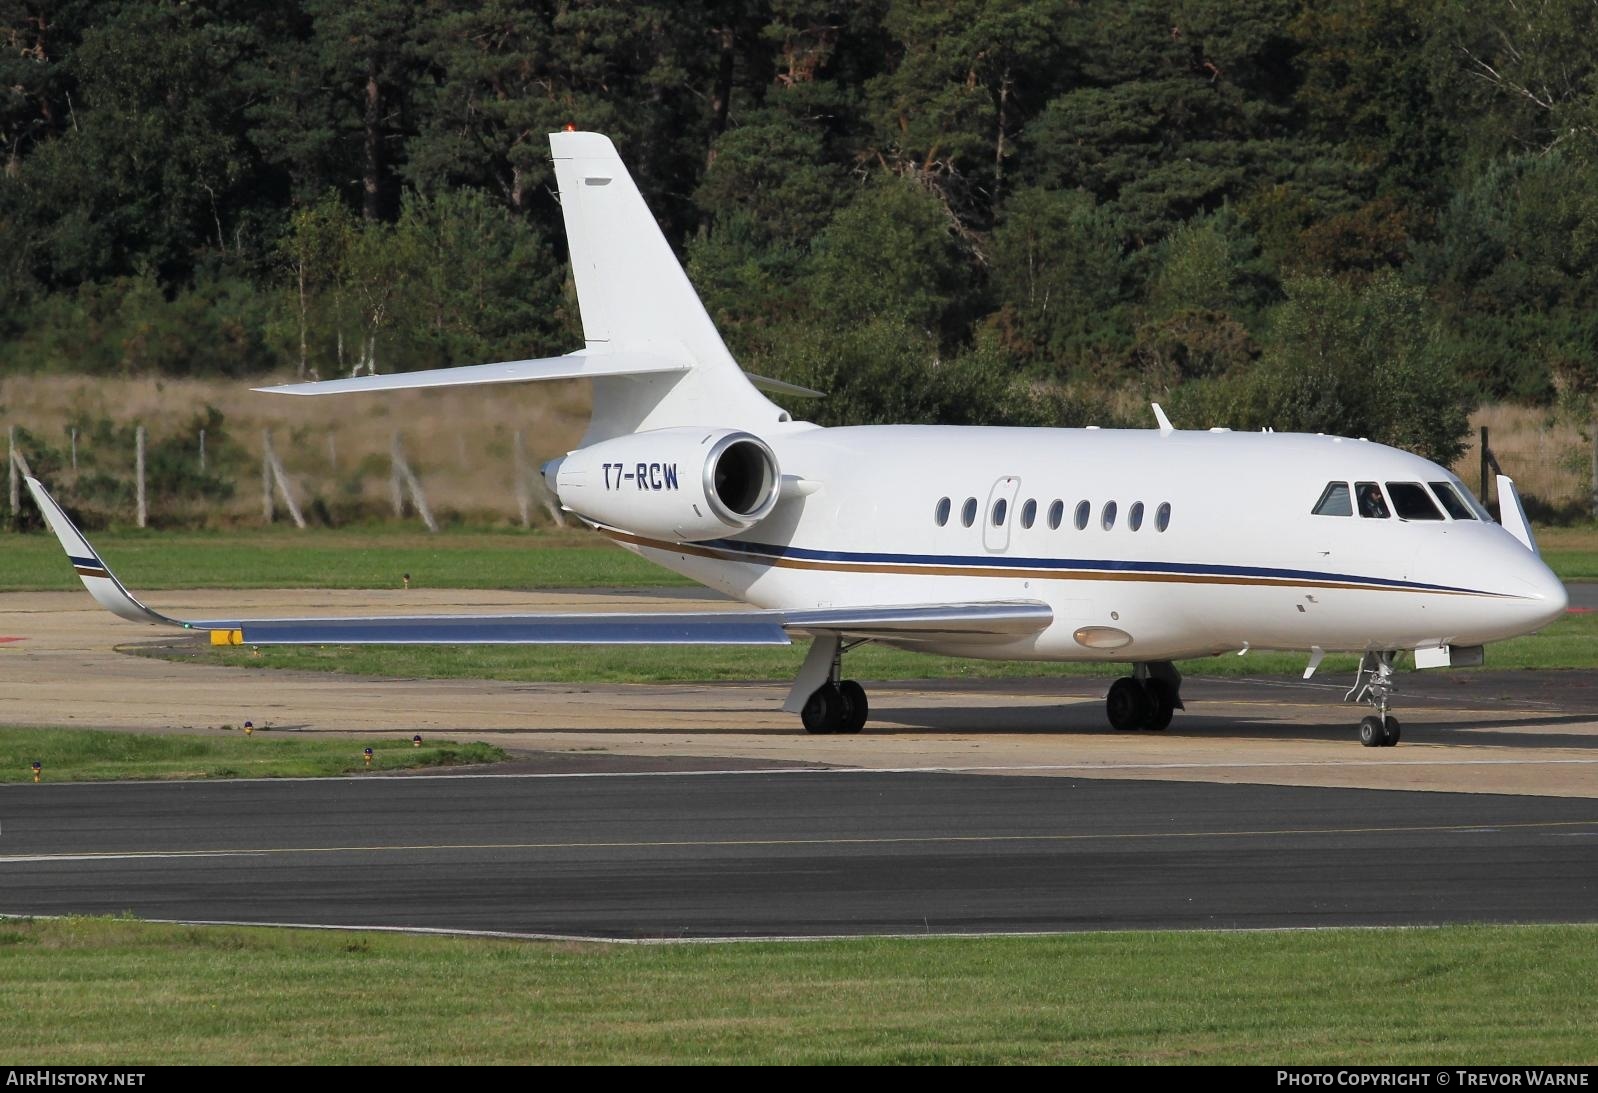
x: 1378, y: 732
x: 1127, y: 705
x: 1162, y: 703
x: 1140, y: 704
x: 836, y: 708
x: 856, y: 708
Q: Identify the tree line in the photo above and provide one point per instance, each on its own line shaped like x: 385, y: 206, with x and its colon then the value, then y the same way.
x: 1353, y: 216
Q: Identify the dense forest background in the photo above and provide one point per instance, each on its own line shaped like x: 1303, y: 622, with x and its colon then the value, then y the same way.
x: 1356, y: 216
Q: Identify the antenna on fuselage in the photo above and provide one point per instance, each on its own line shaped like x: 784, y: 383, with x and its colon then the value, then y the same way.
x: 1166, y: 428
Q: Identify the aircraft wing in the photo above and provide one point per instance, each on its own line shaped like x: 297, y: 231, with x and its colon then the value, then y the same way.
x: 995, y: 621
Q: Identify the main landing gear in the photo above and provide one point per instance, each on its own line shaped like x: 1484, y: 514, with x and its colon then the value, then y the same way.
x: 1374, y: 684
x: 836, y: 707
x: 1146, y: 699
x: 825, y: 703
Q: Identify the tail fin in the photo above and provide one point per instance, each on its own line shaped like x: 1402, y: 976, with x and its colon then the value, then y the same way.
x: 635, y: 298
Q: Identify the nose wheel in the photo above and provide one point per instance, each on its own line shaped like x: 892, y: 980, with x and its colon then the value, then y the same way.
x: 1374, y: 685
x: 1378, y: 732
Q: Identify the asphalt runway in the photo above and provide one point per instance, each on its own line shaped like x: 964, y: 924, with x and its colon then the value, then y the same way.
x: 785, y: 854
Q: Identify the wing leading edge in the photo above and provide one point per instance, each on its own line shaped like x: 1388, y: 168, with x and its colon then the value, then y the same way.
x: 908, y: 623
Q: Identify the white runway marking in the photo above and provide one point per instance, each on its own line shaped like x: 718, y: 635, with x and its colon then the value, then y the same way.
x: 722, y: 844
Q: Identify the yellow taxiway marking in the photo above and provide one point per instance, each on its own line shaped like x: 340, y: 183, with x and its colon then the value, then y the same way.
x: 716, y: 844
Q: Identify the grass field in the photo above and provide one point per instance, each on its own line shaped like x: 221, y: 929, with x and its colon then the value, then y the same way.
x: 117, y: 991
x: 370, y: 557
x: 1572, y: 642
x: 85, y: 755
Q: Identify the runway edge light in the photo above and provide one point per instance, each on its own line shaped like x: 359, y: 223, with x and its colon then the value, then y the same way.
x: 367, y: 755
x: 38, y: 769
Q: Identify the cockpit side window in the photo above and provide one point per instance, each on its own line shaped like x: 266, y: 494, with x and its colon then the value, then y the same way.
x: 1412, y: 501
x: 1335, y: 501
x: 1371, y: 502
x: 1456, y: 508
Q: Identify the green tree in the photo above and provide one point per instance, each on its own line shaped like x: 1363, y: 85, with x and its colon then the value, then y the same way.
x: 1211, y: 264
x: 884, y: 372
x: 1059, y: 276
x: 1359, y: 361
x: 892, y: 253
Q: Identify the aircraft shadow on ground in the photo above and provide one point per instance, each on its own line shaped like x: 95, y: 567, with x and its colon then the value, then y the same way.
x: 1072, y: 721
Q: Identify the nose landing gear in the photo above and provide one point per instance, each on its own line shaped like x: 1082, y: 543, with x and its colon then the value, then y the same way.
x: 1374, y: 684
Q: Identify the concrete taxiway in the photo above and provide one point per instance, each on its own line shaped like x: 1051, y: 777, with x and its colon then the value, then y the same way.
x: 1486, y: 732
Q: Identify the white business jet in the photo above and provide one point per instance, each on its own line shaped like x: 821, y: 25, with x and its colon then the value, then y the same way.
x: 1138, y: 547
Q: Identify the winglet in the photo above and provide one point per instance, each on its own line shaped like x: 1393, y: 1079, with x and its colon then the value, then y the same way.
x: 1512, y: 514
x: 102, y: 584
x: 1166, y: 428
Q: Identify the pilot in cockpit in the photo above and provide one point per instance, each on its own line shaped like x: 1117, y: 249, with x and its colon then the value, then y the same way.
x: 1370, y: 501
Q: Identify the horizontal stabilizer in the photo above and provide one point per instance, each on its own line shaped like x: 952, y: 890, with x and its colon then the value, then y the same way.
x: 572, y: 366
x: 783, y: 387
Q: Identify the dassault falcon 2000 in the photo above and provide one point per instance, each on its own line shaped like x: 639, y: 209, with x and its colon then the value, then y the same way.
x: 1142, y: 547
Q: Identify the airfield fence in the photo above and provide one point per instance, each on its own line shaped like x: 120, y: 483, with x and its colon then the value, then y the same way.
x: 118, y: 475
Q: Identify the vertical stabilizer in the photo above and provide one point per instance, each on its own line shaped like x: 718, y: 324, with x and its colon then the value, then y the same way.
x: 635, y: 297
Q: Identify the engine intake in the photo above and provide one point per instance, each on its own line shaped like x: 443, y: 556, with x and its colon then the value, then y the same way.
x: 683, y: 484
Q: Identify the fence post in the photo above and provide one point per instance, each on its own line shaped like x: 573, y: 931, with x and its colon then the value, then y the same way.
x: 268, y: 510
x: 202, y: 451
x: 523, y: 501
x: 404, y: 477
x: 74, y: 448
x: 14, y: 496
x: 1484, y: 458
x: 272, y: 470
x: 396, y: 480
x: 138, y: 443
x: 1593, y: 431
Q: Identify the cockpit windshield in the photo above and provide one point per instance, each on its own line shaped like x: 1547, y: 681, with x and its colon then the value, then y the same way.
x: 1450, y: 499
x: 1412, y: 501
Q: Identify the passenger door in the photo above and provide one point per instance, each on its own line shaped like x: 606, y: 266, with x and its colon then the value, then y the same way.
x: 999, y: 514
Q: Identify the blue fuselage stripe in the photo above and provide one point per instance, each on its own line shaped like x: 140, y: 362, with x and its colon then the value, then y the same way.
x: 1068, y: 565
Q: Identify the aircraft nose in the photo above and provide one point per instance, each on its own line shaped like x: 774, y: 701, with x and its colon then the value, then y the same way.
x: 1545, y: 596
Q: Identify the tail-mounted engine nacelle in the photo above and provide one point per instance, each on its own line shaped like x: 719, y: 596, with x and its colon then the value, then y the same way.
x: 684, y: 484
